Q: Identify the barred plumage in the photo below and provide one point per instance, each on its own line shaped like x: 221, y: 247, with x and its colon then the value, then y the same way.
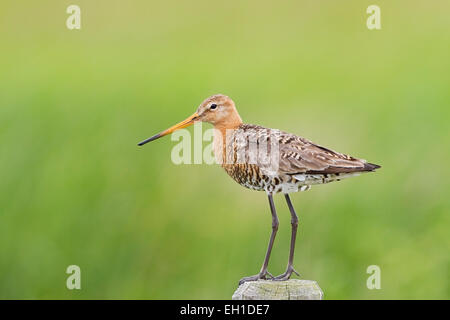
x: 298, y: 163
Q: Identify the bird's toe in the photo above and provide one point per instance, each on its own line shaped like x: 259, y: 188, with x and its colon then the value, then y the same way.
x: 286, y: 275
x: 262, y: 275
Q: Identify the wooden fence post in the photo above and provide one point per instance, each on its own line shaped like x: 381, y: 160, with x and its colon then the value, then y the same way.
x: 292, y: 289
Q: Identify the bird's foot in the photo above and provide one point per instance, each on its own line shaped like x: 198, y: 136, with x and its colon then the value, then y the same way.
x: 286, y: 275
x: 261, y: 275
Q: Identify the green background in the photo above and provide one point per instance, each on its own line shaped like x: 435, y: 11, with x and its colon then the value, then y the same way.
x: 75, y: 188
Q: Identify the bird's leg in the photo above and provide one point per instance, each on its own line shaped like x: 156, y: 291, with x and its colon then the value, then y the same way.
x: 294, y: 222
x: 263, y: 273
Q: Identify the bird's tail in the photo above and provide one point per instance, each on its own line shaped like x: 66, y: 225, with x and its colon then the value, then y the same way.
x: 371, y: 167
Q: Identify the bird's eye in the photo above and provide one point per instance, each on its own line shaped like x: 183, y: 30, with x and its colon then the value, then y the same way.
x: 213, y: 106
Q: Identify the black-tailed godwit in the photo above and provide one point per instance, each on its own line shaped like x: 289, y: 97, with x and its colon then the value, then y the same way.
x: 269, y: 160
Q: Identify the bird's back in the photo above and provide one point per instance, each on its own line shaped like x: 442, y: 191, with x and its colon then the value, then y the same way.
x: 275, y: 161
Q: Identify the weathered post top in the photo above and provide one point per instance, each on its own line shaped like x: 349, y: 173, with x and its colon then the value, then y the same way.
x: 292, y: 289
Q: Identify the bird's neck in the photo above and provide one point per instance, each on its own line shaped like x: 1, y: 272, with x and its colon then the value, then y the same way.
x: 221, y: 132
x: 232, y: 121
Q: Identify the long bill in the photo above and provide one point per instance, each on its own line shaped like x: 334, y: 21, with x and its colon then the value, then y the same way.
x: 183, y: 124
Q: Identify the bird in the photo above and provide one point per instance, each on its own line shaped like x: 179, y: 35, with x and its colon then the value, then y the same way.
x: 269, y: 160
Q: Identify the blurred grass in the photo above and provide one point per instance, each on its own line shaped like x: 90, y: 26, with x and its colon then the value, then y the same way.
x: 75, y: 189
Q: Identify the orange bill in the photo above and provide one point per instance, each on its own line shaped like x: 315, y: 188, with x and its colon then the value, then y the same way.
x: 183, y: 124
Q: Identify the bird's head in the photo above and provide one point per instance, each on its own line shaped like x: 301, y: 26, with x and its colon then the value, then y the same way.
x: 219, y: 110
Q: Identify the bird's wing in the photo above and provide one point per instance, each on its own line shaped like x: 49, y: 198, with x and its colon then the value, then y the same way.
x: 299, y: 155
x: 296, y: 155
